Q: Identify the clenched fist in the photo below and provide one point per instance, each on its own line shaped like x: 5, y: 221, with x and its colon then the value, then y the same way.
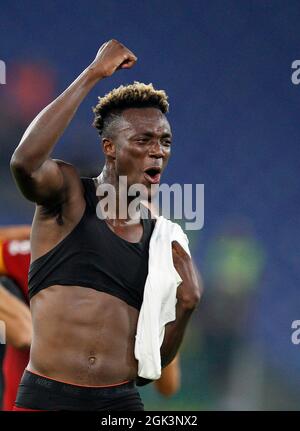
x: 190, y: 290
x: 112, y: 56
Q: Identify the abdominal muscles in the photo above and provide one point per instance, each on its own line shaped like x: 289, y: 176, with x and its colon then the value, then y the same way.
x: 83, y: 336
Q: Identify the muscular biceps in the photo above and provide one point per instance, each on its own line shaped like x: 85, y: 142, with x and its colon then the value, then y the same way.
x: 48, y: 185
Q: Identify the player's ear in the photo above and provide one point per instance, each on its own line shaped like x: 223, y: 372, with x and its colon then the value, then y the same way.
x: 109, y: 148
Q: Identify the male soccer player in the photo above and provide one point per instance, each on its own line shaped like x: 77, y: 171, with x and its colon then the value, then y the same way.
x: 87, y: 275
x: 15, y: 313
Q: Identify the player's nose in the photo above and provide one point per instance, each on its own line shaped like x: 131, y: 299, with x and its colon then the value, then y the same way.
x: 156, y: 149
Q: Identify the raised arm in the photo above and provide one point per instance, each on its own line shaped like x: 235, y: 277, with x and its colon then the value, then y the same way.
x: 40, y: 178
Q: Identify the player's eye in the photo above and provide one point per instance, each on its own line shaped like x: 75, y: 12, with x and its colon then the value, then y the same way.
x: 142, y: 140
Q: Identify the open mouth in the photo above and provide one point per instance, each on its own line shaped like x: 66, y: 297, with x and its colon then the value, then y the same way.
x: 153, y: 174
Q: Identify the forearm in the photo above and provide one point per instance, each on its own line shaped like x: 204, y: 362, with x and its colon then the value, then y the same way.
x: 174, y: 332
x: 169, y: 382
x: 17, y: 318
x: 43, y: 133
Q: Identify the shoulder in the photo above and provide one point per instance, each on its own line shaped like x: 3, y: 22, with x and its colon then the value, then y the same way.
x: 69, y: 171
x: 172, y: 231
x: 73, y: 188
x: 172, y: 226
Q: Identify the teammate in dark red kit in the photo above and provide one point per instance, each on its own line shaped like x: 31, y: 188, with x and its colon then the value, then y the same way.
x: 14, y: 311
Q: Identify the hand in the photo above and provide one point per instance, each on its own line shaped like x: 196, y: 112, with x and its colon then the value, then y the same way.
x: 112, y: 56
x: 190, y: 290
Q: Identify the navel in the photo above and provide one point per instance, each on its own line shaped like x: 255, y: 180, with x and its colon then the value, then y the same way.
x: 92, y: 360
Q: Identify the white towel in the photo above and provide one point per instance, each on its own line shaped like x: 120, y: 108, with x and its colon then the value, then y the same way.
x: 159, y: 301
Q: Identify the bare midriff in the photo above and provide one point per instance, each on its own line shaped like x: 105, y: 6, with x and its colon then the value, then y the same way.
x: 83, y: 336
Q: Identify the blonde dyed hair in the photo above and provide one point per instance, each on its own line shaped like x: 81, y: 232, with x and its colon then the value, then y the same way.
x: 136, y: 95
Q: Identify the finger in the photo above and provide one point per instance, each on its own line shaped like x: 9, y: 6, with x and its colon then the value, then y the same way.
x: 128, y: 55
x: 179, y: 249
x: 131, y: 55
x: 175, y: 251
x: 176, y: 245
x: 127, y: 64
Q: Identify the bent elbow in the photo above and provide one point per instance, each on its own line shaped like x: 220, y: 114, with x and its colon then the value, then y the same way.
x: 20, y: 338
x: 23, y: 343
x: 17, y: 164
x: 169, y: 389
x: 190, y: 302
x: 21, y: 168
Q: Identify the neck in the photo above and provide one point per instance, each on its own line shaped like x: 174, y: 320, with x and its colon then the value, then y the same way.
x: 109, y: 176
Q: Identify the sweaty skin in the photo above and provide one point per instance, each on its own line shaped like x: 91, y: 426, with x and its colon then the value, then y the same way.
x: 80, y: 335
x: 85, y: 343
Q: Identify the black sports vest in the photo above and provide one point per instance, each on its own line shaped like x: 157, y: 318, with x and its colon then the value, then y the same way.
x: 94, y: 256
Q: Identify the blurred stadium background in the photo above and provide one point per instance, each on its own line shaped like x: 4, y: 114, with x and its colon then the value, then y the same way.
x: 226, y: 66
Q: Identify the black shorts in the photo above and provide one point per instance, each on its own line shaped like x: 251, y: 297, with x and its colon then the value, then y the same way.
x: 42, y: 393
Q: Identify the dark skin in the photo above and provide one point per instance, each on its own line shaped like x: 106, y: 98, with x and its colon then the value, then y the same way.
x: 76, y: 337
